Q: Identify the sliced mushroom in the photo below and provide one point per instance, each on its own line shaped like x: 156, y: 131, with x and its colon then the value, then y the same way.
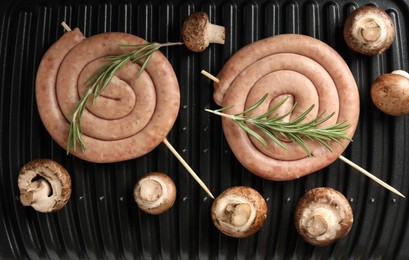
x: 239, y: 211
x: 390, y: 93
x: 322, y: 216
x: 155, y: 193
x: 44, y: 185
x: 198, y: 32
x: 369, y: 30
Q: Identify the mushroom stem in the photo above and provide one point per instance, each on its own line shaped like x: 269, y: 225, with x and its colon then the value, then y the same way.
x: 38, y: 190
x: 319, y: 222
x: 150, y: 190
x: 215, y: 33
x: 237, y: 214
x: 370, y: 30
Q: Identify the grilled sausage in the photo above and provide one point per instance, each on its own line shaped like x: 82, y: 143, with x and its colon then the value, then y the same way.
x: 308, y: 71
x: 129, y: 119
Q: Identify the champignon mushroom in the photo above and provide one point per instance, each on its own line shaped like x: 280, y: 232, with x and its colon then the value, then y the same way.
x: 155, y: 193
x: 369, y: 30
x: 198, y: 32
x: 239, y: 211
x: 390, y: 93
x: 44, y: 185
x: 322, y: 216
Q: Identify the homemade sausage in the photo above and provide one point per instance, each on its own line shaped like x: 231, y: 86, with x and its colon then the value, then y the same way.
x: 308, y: 71
x: 129, y: 119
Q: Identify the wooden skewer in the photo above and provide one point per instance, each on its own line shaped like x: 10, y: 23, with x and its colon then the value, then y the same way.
x: 188, y: 168
x: 370, y: 175
x: 66, y: 27
x: 342, y: 158
x: 210, y: 76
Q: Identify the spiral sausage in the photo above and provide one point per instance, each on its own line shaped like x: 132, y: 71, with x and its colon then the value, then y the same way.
x: 129, y: 119
x: 307, y: 71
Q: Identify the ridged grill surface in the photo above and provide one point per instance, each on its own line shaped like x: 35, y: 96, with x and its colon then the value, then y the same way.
x: 102, y: 220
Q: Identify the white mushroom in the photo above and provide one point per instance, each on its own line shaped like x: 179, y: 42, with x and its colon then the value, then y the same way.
x: 322, y: 216
x: 198, y: 32
x: 369, y: 30
x: 155, y: 193
x: 44, y: 185
x: 239, y: 211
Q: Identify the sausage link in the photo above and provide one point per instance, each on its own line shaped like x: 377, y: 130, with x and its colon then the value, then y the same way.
x: 303, y: 68
x: 131, y: 117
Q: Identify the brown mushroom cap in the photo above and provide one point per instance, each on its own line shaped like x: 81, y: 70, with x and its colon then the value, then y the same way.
x: 198, y: 32
x: 322, y: 216
x: 369, y: 30
x: 155, y: 193
x: 44, y: 185
x: 239, y: 211
x: 390, y: 93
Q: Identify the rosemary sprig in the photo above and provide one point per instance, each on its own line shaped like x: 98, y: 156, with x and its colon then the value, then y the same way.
x: 274, y: 128
x: 100, y: 79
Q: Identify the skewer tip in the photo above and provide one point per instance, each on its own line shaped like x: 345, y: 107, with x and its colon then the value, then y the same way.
x: 66, y: 27
x: 187, y: 167
x: 210, y: 76
x: 371, y: 176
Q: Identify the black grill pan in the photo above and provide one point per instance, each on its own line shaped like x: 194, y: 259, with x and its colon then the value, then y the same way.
x: 102, y: 221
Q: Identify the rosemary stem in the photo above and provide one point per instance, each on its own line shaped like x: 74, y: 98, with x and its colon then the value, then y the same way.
x: 270, y: 126
x: 232, y: 117
x: 167, y: 44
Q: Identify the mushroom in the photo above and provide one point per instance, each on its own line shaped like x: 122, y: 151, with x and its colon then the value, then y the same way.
x: 44, y: 185
x: 390, y: 93
x: 322, y: 216
x: 155, y: 193
x: 369, y: 30
x: 198, y: 32
x: 239, y: 211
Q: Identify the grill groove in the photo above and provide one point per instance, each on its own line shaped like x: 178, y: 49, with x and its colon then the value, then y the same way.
x: 102, y: 220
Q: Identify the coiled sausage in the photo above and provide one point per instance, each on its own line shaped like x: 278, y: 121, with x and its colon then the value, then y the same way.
x: 129, y: 119
x: 306, y: 70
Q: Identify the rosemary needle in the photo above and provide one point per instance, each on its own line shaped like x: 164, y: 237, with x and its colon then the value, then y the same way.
x: 101, y: 78
x: 274, y: 128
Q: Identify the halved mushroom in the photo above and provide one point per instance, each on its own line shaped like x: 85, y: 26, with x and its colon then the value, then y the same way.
x: 44, y: 185
x: 239, y: 211
x: 198, y: 32
x: 322, y: 216
x: 369, y: 30
x: 390, y: 93
x: 155, y: 193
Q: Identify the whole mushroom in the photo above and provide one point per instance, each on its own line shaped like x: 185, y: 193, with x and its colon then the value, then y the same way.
x: 239, y: 211
x: 155, y: 193
x: 322, y: 216
x: 390, y: 93
x: 44, y: 185
x: 198, y: 32
x: 369, y: 30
